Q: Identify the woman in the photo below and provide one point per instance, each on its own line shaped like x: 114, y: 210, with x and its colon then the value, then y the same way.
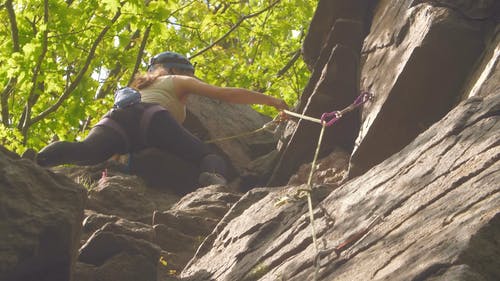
x: 156, y: 121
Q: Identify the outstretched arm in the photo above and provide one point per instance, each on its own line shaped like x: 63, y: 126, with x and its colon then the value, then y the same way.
x: 185, y: 85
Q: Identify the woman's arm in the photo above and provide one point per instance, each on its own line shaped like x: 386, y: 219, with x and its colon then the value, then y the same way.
x: 185, y: 85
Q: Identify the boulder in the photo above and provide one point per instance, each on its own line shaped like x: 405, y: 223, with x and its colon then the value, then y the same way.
x: 332, y: 50
x: 180, y: 230
x: 233, y: 250
x: 108, y: 256
x: 207, y: 202
x: 331, y: 169
x: 345, y: 32
x: 129, y: 197
x: 174, y: 235
x: 40, y: 221
x: 213, y: 120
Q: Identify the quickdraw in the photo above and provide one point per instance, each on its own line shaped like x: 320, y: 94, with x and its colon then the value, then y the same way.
x: 329, y: 118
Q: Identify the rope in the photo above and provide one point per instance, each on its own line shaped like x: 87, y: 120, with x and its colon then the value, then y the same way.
x: 327, y: 119
x: 301, y: 116
x: 245, y: 134
x: 309, y: 199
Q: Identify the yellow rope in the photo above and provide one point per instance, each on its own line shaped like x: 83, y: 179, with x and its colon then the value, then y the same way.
x: 309, y: 199
x: 235, y: 136
x: 309, y: 184
x: 313, y: 168
x: 264, y: 127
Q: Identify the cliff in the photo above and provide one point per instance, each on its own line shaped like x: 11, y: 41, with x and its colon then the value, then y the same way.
x: 406, y: 186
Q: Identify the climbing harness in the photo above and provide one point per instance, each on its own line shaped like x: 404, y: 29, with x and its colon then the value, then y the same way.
x: 146, y: 117
x: 327, y: 119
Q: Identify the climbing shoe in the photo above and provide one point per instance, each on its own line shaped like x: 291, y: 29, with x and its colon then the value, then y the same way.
x: 206, y: 179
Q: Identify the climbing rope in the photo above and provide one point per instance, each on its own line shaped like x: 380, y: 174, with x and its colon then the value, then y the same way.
x: 333, y: 117
x: 265, y: 127
x: 327, y: 119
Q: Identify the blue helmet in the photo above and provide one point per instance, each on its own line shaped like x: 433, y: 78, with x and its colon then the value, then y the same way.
x: 170, y: 59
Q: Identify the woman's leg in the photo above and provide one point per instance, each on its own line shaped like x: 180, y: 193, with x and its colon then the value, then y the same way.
x: 101, y: 143
x: 166, y: 134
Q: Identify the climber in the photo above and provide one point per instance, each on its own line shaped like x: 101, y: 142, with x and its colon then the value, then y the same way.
x: 156, y: 121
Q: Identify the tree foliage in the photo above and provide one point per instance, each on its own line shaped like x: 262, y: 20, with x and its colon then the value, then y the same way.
x: 60, y: 61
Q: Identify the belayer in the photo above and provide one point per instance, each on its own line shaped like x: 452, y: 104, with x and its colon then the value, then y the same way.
x: 155, y: 120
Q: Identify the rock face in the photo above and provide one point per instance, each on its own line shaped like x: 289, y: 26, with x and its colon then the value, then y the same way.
x: 426, y: 53
x: 427, y: 213
x: 133, y: 232
x: 129, y: 197
x: 337, y: 32
x: 420, y: 201
x: 40, y: 221
x: 405, y: 188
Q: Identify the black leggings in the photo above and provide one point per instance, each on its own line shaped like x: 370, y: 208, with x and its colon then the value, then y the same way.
x: 103, y: 142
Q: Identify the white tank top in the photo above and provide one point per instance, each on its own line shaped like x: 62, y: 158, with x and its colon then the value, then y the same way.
x: 162, y: 93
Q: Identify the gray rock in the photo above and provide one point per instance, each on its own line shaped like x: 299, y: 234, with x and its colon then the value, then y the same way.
x: 186, y: 223
x: 40, y: 222
x: 418, y: 214
x: 330, y: 170
x: 426, y: 54
x: 208, y: 202
x: 327, y: 13
x: 128, y: 197
x: 472, y: 9
x: 485, y: 78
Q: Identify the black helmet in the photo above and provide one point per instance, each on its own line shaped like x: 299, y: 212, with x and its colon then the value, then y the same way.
x: 170, y: 59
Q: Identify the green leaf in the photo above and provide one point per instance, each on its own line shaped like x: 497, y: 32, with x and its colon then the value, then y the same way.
x: 246, y: 54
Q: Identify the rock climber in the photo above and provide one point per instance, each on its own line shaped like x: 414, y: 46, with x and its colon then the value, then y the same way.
x: 156, y: 121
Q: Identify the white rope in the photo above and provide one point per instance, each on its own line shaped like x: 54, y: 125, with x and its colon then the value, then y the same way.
x: 316, y: 120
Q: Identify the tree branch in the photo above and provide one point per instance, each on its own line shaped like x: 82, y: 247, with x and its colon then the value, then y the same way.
x: 13, y: 26
x: 7, y: 91
x: 140, y: 54
x: 117, y: 72
x: 9, y: 88
x: 114, y: 74
x: 234, y: 27
x: 32, y: 96
x: 290, y: 63
x: 80, y: 74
